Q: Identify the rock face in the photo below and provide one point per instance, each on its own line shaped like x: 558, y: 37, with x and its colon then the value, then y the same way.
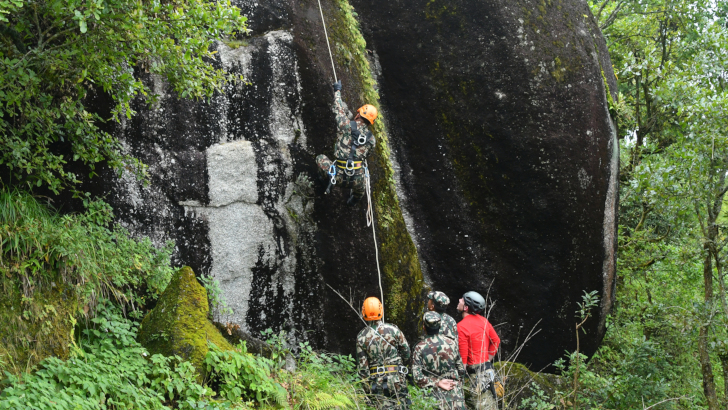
x: 178, y: 325
x: 232, y: 182
x: 499, y: 115
x: 503, y: 157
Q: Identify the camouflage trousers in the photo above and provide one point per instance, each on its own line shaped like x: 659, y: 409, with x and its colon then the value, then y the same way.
x: 478, y: 395
x: 450, y: 400
x: 354, y: 182
x: 389, y: 393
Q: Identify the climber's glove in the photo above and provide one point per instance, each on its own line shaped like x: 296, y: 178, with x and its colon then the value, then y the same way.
x: 337, y: 86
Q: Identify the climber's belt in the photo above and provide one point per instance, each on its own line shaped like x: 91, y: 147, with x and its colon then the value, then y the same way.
x: 348, y: 165
x: 382, y: 370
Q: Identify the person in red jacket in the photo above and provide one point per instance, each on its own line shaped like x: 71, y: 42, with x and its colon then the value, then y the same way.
x: 478, y: 343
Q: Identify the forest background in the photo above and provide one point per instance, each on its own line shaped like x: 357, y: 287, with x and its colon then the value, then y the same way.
x: 666, y: 345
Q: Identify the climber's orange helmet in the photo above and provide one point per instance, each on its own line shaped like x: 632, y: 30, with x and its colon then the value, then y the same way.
x: 369, y: 112
x: 372, y: 309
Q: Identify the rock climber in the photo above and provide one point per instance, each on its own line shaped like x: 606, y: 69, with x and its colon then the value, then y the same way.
x: 354, y: 142
x: 437, y: 302
x: 436, y: 364
x: 381, y: 352
x: 478, y: 343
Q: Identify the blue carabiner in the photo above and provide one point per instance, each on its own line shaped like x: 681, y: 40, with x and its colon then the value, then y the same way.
x: 332, y: 173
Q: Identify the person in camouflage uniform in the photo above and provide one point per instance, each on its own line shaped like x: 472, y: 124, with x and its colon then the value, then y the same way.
x: 438, y: 301
x: 436, y: 364
x: 350, y: 152
x: 381, y: 352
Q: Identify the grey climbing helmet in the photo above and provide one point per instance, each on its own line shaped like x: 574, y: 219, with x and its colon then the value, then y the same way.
x: 474, y: 301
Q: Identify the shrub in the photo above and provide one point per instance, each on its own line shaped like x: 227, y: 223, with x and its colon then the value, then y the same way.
x: 239, y: 374
x: 54, y: 266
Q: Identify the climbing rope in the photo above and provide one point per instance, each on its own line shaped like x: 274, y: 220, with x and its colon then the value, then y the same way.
x: 370, y: 222
x: 327, y: 40
x: 370, y: 210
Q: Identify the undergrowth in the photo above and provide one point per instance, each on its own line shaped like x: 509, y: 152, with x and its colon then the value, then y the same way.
x: 55, y: 267
x: 108, y: 369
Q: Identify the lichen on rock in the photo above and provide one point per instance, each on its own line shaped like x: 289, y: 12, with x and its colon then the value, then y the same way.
x: 179, y: 324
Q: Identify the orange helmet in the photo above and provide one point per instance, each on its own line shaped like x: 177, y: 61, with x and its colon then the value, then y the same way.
x: 372, y: 309
x: 369, y: 112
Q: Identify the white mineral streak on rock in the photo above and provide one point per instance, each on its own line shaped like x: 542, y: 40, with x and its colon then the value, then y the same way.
x: 283, y: 123
x: 238, y: 226
x: 241, y: 231
x: 609, y: 226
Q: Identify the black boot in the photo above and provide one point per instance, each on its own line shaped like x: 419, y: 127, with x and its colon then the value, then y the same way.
x: 352, y: 201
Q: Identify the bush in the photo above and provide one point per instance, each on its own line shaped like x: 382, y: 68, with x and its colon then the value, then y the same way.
x: 40, y: 246
x: 239, y: 374
x: 53, y: 267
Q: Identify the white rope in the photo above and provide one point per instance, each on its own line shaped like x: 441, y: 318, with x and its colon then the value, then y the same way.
x: 370, y: 211
x: 370, y: 222
x: 327, y: 40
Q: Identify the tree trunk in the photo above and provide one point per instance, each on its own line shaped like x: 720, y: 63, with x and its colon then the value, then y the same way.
x: 724, y: 366
x: 703, y: 347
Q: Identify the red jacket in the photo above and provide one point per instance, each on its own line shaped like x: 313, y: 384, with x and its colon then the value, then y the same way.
x: 477, y: 340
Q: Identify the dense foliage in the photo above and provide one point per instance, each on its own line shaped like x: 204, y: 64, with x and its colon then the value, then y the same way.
x: 108, y: 368
x: 85, y: 251
x: 54, y: 52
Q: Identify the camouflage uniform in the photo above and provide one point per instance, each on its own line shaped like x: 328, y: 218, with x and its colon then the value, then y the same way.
x: 342, y: 148
x: 383, y: 346
x: 435, y: 358
x: 448, y: 326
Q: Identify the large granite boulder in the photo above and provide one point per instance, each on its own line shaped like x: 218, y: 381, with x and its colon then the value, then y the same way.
x: 179, y: 324
x: 499, y: 116
x: 501, y: 167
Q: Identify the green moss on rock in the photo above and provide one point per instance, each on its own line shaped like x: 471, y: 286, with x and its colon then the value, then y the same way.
x: 519, y: 382
x: 35, y: 327
x: 179, y: 325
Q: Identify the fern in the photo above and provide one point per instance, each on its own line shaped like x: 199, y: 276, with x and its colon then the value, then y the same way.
x: 280, y: 396
x: 323, y: 400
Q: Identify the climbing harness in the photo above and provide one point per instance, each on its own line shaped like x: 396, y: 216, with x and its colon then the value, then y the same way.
x: 345, y: 164
x: 358, y: 139
x: 327, y: 40
x: 386, y: 369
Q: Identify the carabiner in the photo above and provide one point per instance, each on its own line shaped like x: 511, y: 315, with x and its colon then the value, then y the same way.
x: 332, y: 173
x: 361, y: 140
x: 349, y: 167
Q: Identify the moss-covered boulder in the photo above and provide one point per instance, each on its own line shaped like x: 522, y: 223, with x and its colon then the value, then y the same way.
x: 179, y: 324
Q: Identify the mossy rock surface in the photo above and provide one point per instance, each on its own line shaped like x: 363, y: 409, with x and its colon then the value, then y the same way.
x: 179, y: 324
x: 519, y: 382
x: 34, y: 328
